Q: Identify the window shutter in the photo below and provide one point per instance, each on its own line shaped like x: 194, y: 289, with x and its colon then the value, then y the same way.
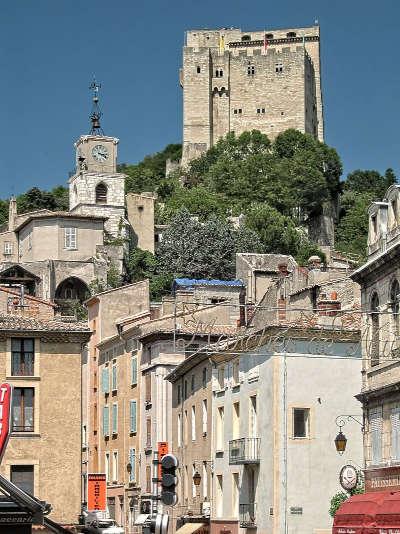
x: 134, y: 369
x: 375, y: 428
x: 133, y: 416
x: 132, y: 461
x: 106, y: 421
x: 115, y: 418
x: 105, y: 380
x: 395, y: 423
x: 114, y: 377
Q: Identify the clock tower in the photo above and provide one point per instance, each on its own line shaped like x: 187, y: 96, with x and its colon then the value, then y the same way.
x: 97, y: 188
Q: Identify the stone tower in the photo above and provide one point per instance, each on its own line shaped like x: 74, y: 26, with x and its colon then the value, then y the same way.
x: 97, y: 188
x: 236, y: 81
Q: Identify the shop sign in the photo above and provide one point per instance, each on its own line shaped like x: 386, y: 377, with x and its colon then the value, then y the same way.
x: 381, y: 479
x: 96, y: 492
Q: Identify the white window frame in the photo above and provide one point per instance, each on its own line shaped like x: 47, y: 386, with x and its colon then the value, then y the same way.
x: 114, y: 410
x: 205, y: 416
x: 8, y: 248
x: 395, y: 433
x: 376, y: 415
x: 307, y: 410
x: 193, y: 421
x: 179, y: 430
x: 70, y: 238
x: 115, y: 466
x: 107, y: 465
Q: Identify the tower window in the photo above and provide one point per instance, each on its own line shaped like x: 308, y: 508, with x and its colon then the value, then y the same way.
x: 101, y: 194
x: 219, y: 73
x: 251, y: 70
x: 260, y: 110
x: 278, y: 67
x: 237, y: 111
x: 246, y: 38
x: 269, y: 35
x: 291, y: 34
x: 198, y: 70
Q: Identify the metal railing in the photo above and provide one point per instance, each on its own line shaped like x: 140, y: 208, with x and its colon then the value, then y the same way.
x: 244, y: 451
x: 247, y: 515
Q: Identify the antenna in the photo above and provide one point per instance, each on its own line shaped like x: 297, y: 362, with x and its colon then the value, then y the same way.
x: 96, y: 112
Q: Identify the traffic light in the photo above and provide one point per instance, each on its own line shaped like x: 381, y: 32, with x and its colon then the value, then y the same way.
x: 169, y: 463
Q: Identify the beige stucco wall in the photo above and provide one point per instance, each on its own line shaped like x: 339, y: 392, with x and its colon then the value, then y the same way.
x: 140, y: 210
x: 47, y: 238
x: 8, y: 237
x: 54, y: 448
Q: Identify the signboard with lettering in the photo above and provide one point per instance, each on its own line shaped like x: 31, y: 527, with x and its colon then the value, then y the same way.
x: 382, y: 479
x: 5, y: 416
x: 162, y: 451
x: 96, y: 492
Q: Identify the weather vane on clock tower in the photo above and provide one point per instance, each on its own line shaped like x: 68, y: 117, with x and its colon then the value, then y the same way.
x: 96, y: 112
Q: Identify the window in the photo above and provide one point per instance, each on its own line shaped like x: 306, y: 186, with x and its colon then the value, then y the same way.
x: 185, y: 390
x: 221, y: 377
x: 198, y: 70
x: 291, y: 34
x: 107, y: 465
x: 148, y: 478
x: 192, y: 383
x: 148, y: 388
x: 101, y: 194
x: 179, y: 394
x: 70, y: 238
x: 115, y: 466
x: 105, y: 380
x: 301, y: 422
x: 251, y: 70
x: 204, y: 377
x: 132, y: 416
x: 262, y: 110
x: 237, y: 111
x: 375, y: 330
x: 220, y: 428
x: 394, y: 301
x: 185, y: 428
x: 253, y: 417
x: 235, y: 372
x: 269, y: 35
x: 22, y: 357
x: 395, y: 424
x: 115, y: 418
x: 205, y: 481
x: 235, y: 420
x: 23, y: 410
x: 278, y: 68
x: 114, y: 384
x: 235, y: 494
x: 193, y: 484
x: 133, y: 370
x: 179, y: 430
x: 219, y: 495
x: 193, y: 423
x: 205, y: 416
x: 246, y: 37
x: 22, y: 476
x: 8, y: 248
x: 148, y: 432
x: 132, y: 461
x: 30, y: 241
x: 375, y: 430
x: 106, y: 421
x: 219, y: 73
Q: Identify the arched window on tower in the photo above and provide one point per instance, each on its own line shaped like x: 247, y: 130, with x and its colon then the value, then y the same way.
x: 101, y: 193
x: 374, y: 330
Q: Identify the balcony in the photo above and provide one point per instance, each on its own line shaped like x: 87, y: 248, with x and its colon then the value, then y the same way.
x: 247, y: 515
x: 244, y: 451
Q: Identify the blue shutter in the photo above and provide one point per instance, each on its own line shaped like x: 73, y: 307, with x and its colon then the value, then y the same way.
x: 134, y: 369
x: 105, y: 380
x: 114, y: 377
x: 132, y: 413
x: 114, y: 418
x: 106, y: 421
x: 132, y: 461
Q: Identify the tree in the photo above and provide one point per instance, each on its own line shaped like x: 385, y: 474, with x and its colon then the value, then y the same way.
x: 370, y: 181
x: 198, y: 200
x: 202, y: 250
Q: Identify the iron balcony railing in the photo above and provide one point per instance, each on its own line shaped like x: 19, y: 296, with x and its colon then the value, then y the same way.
x: 244, y: 451
x: 247, y: 515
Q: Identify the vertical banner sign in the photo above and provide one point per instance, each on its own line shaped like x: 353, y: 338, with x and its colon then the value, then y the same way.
x: 162, y: 451
x: 96, y: 492
x: 5, y: 416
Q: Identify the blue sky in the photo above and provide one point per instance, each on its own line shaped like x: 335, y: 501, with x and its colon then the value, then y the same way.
x: 50, y: 49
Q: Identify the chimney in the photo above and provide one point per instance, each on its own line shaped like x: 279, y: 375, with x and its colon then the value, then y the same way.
x: 12, y: 213
x: 283, y: 270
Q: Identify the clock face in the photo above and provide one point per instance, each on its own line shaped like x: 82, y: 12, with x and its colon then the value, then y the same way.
x: 100, y: 153
x: 348, y: 477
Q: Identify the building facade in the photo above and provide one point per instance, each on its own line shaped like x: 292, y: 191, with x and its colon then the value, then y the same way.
x: 379, y: 279
x: 236, y: 81
x: 40, y: 356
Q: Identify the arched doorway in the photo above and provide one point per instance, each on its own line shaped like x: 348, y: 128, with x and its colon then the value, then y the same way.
x: 69, y: 292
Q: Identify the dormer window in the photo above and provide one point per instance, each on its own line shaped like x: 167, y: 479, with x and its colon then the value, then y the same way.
x: 101, y: 194
x: 269, y: 35
x: 246, y: 38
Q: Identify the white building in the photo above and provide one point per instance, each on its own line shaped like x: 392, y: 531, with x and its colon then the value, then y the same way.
x: 274, y: 409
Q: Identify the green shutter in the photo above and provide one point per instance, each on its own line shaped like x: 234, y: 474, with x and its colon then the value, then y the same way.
x: 114, y: 377
x: 105, y: 380
x: 132, y: 461
x: 132, y: 413
x: 106, y: 421
x: 134, y: 369
x: 115, y: 418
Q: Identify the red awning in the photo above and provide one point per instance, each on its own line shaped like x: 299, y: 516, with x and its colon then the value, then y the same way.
x: 359, y: 513
x: 388, y: 515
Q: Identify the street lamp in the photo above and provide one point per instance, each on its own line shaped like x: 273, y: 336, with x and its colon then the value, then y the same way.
x: 197, y: 479
x: 341, y: 440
